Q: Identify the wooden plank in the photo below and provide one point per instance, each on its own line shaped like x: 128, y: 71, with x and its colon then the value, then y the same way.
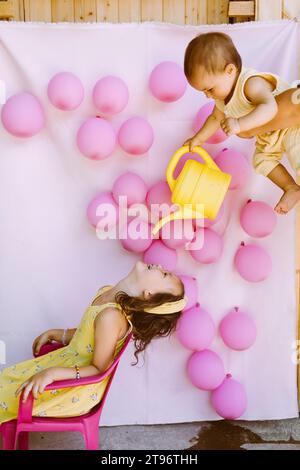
x: 107, y: 10
x: 291, y: 8
x: 174, y: 11
x: 241, y: 8
x: 217, y: 11
x: 151, y: 10
x: 196, y: 11
x: 63, y: 10
x: 202, y: 11
x: 85, y: 11
x: 129, y: 11
x: 265, y: 11
x: 18, y: 10
x: 7, y: 9
x: 35, y: 10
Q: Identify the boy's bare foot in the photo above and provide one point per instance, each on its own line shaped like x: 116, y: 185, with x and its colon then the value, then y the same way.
x: 289, y: 199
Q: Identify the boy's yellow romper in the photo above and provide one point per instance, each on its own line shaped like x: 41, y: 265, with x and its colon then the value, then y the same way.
x: 68, y: 401
x: 270, y: 146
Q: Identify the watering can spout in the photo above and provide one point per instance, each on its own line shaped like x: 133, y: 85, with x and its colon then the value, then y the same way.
x: 181, y: 213
x: 175, y: 215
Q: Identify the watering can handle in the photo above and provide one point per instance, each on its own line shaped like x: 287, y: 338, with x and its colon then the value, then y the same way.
x: 178, y: 154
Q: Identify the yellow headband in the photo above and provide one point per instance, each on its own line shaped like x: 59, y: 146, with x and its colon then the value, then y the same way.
x: 168, y: 307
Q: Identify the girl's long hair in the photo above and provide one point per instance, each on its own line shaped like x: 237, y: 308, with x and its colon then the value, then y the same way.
x: 147, y: 326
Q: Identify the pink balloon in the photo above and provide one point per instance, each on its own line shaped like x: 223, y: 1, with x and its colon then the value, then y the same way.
x: 65, y: 91
x: 190, y: 290
x: 159, y: 201
x: 136, y: 236
x: 207, y: 246
x: 229, y: 400
x: 238, y: 330
x: 206, y: 222
x: 158, y: 253
x: 257, y: 218
x: 253, y: 262
x: 205, y: 369
x: 110, y: 217
x: 159, y: 193
x: 96, y: 138
x: 132, y: 186
x: 167, y: 82
x: 177, y: 233
x: 136, y: 136
x: 201, y: 116
x: 140, y: 211
x: 110, y: 95
x: 236, y: 164
x: 22, y: 115
x: 195, y: 329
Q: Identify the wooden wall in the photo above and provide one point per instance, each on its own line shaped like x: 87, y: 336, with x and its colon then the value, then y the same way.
x: 174, y: 11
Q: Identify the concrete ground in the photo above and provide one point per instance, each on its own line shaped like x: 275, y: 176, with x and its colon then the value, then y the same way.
x: 215, y: 435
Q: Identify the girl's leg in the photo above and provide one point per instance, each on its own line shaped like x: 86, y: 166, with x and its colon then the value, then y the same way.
x: 281, y: 177
x: 288, y: 114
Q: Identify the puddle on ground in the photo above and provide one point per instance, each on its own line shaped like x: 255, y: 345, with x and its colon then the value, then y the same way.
x: 223, y: 435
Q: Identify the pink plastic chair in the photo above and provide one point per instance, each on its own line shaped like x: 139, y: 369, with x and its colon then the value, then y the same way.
x: 8, y: 431
x: 15, y: 432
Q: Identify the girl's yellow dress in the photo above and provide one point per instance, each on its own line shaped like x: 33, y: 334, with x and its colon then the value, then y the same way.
x: 68, y: 401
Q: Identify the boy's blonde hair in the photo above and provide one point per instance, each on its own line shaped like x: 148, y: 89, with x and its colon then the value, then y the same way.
x: 213, y: 51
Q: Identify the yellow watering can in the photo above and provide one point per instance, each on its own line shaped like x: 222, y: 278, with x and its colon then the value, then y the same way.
x: 199, y: 190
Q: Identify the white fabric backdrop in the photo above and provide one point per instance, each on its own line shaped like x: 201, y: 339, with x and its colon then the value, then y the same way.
x: 51, y: 261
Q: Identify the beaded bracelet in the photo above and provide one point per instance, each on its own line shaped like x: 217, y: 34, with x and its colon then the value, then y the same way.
x: 77, y: 372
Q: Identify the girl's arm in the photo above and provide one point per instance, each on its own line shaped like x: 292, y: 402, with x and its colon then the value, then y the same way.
x: 259, y: 92
x: 51, y: 335
x: 106, y: 336
x: 107, y: 331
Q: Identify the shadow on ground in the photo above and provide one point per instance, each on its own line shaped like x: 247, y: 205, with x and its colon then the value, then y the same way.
x: 224, y: 435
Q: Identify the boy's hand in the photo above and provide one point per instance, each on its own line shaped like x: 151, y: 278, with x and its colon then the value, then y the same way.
x: 193, y: 142
x: 231, y: 126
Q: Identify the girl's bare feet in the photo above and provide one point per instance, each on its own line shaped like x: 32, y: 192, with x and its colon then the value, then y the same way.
x: 289, y: 199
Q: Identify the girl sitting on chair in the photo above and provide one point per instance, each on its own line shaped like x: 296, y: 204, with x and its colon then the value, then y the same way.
x: 150, y: 299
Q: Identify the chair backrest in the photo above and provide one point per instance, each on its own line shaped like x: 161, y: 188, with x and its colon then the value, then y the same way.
x: 97, y: 409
